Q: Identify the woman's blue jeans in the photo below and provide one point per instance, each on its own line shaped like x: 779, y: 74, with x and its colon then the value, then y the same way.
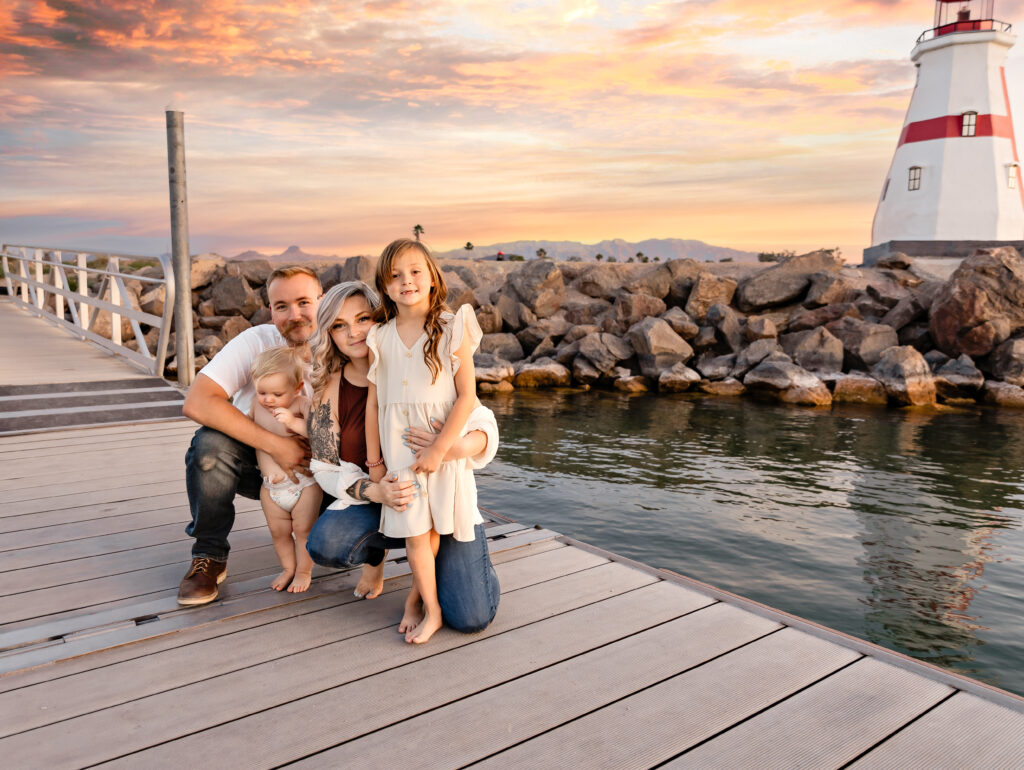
x: 467, y: 586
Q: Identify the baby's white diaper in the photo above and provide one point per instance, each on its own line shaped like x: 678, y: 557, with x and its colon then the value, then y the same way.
x: 286, y: 492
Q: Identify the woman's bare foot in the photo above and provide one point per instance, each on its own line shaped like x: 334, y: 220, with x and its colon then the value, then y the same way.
x: 371, y: 582
x: 281, y: 581
x: 300, y: 583
x: 412, y: 618
x: 426, y: 629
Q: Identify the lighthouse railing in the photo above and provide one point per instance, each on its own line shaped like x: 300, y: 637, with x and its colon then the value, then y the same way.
x: 82, y: 290
x: 974, y: 25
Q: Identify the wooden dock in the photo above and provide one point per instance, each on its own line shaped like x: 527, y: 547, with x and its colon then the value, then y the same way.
x: 592, y: 661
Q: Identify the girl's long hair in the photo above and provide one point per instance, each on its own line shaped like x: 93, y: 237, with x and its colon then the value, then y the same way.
x: 323, y: 353
x: 438, y: 294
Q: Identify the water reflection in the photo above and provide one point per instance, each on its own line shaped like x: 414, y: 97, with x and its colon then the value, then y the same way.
x: 899, y: 526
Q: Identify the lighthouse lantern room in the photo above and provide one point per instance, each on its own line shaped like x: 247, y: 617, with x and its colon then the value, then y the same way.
x: 955, y: 175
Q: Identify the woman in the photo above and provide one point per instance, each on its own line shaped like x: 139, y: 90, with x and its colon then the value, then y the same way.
x: 346, y: 534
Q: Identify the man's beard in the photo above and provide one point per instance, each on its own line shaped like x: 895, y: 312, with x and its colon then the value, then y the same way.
x: 298, y: 332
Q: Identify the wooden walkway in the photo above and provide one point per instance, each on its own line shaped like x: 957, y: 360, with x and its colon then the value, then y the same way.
x: 49, y: 379
x: 592, y: 661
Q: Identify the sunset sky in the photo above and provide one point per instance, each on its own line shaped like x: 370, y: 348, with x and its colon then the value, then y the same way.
x: 338, y: 126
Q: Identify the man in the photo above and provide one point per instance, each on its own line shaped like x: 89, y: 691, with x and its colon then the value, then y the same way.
x: 221, y: 461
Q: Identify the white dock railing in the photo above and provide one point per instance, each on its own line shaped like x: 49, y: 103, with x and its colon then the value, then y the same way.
x: 25, y: 274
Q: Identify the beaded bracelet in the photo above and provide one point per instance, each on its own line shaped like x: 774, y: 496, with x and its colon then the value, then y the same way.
x: 374, y: 465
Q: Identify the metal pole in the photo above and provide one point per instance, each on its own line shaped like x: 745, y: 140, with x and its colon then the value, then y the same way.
x: 180, y: 259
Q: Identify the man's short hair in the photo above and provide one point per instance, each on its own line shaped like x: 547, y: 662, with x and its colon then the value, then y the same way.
x: 280, y: 360
x: 293, y: 270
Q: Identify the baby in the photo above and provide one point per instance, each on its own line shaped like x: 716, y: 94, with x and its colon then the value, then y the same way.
x: 291, y: 507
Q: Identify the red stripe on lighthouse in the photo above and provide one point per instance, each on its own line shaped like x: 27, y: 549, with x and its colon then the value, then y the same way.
x: 949, y: 127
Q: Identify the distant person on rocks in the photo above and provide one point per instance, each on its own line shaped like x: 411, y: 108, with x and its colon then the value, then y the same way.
x: 221, y: 461
x: 290, y: 507
x: 347, y: 534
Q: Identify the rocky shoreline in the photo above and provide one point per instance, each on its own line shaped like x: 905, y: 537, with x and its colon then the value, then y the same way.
x: 807, y: 330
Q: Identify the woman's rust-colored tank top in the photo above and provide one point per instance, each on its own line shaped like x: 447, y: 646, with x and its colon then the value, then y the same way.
x: 352, y: 422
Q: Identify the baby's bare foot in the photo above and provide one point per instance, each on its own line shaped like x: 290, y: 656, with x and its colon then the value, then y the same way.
x: 281, y: 581
x: 300, y: 583
x: 426, y: 629
x: 371, y: 582
x: 413, y: 617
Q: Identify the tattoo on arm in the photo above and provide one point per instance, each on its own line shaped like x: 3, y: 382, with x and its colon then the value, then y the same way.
x: 358, y: 490
x: 323, y: 436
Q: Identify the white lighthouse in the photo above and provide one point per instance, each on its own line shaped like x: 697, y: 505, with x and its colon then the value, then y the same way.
x: 955, y: 175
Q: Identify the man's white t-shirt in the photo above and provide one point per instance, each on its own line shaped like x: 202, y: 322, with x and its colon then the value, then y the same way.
x: 230, y: 367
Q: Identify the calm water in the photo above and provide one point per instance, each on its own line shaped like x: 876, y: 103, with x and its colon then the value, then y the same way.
x: 897, y: 526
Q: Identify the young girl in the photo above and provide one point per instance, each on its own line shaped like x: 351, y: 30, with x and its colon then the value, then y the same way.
x: 291, y: 507
x: 421, y: 368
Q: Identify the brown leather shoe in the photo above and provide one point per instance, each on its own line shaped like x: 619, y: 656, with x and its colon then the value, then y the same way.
x: 199, y: 586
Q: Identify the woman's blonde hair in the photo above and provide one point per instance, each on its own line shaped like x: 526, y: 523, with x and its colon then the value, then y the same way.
x: 281, y: 360
x: 323, y: 353
x: 438, y: 294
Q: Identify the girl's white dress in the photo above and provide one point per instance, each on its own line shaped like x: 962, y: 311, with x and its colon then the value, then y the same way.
x: 406, y: 397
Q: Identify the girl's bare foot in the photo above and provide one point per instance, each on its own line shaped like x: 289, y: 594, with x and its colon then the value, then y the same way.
x: 300, y: 583
x: 281, y: 581
x: 412, y: 618
x: 426, y: 629
x: 371, y: 582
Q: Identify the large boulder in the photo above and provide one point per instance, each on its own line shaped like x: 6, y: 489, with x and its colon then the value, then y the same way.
x: 684, y: 273
x: 708, y: 290
x: 787, y: 382
x: 152, y: 301
x: 784, y: 282
x: 489, y: 318
x: 503, y: 345
x: 581, y: 309
x: 863, y: 342
x: 515, y: 315
x: 752, y: 355
x: 677, y: 379
x: 858, y: 388
x: 553, y: 328
x: 204, y: 269
x: 232, y: 327
x: 958, y: 379
x: 491, y: 368
x: 714, y: 367
x: 232, y: 295
x: 680, y: 322
x: 631, y: 308
x: 657, y: 347
x: 459, y: 293
x: 726, y: 322
x: 906, y: 376
x: 600, y: 281
x: 605, y: 351
x: 730, y: 386
x: 816, y: 350
x: 540, y: 286
x: 1007, y: 362
x: 981, y: 305
x: 255, y: 271
x: 760, y: 327
x: 542, y: 373
x: 802, y: 320
x: 1003, y: 394
x: 360, y: 268
x: 904, y: 312
x: 828, y: 288
x: 655, y: 281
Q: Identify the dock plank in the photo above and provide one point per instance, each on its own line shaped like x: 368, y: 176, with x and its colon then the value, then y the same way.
x: 153, y: 720
x: 965, y: 731
x: 827, y: 725
x: 660, y: 722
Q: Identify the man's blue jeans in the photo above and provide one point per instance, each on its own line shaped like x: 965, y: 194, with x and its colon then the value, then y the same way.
x: 467, y: 586
x: 216, y: 469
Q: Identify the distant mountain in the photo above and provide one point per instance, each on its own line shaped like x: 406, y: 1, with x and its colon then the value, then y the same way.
x: 666, y: 248
x: 293, y: 254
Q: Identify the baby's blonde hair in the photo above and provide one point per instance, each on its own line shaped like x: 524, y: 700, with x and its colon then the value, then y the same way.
x: 281, y: 360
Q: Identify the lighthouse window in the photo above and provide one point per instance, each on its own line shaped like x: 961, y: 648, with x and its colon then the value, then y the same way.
x: 968, y: 123
x: 914, y: 181
x: 1012, y: 176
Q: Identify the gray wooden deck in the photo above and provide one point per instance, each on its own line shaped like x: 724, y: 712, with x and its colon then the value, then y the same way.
x: 592, y: 661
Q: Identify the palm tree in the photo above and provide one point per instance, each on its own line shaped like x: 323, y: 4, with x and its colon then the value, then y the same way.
x: 541, y: 253
x: 468, y: 246
x: 599, y: 257
x: 418, y: 231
